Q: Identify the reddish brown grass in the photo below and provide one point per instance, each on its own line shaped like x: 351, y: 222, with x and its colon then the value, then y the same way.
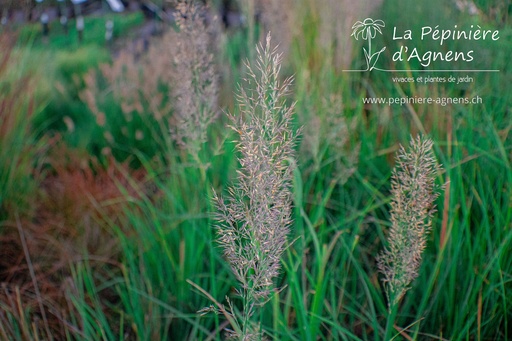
x: 69, y: 223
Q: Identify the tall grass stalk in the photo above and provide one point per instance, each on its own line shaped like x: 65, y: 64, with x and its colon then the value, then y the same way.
x: 413, y: 192
x: 195, y: 81
x: 253, y: 223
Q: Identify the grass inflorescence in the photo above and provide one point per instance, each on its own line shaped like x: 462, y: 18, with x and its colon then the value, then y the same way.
x: 413, y: 192
x: 255, y: 219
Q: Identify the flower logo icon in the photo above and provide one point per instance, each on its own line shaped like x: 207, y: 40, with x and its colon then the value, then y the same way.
x: 368, y: 29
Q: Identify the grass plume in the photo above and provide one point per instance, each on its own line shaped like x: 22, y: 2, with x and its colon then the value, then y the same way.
x: 254, y: 221
x: 195, y: 78
x: 413, y: 192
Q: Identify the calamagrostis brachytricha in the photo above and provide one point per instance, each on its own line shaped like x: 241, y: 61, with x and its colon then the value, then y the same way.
x: 195, y: 83
x: 413, y: 192
x: 254, y: 221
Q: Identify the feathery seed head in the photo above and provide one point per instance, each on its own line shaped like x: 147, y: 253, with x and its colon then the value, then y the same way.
x: 413, y: 192
x: 195, y: 79
x: 254, y: 220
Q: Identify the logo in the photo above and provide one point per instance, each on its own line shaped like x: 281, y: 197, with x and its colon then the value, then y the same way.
x: 412, y: 45
x: 368, y: 29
